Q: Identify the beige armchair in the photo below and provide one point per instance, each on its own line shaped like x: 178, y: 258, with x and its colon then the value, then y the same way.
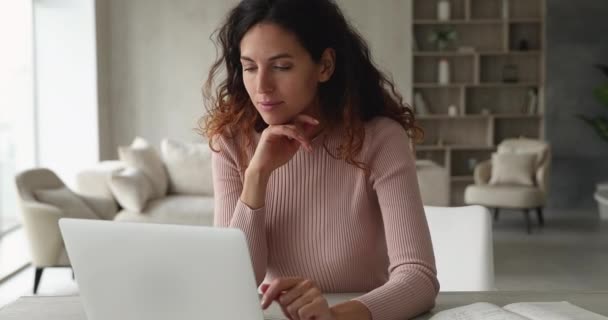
x: 514, y: 196
x: 40, y: 220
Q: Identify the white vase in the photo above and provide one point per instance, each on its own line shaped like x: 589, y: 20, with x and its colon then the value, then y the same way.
x: 452, y: 111
x: 443, y: 10
x: 443, y: 71
x: 505, y: 9
x: 420, y: 104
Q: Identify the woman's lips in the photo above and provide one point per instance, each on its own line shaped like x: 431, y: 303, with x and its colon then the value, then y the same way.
x: 269, y: 106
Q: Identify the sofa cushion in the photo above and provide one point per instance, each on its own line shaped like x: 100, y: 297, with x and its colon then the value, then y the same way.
x: 143, y: 156
x: 189, y: 167
x: 513, y: 168
x: 67, y: 201
x: 504, y: 196
x: 174, y: 209
x: 132, y: 188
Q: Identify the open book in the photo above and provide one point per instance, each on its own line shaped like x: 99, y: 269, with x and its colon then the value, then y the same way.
x: 519, y: 311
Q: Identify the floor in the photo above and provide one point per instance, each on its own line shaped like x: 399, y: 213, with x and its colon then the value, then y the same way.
x: 569, y: 253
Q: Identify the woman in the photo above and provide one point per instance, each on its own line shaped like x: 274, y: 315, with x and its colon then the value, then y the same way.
x: 313, y: 163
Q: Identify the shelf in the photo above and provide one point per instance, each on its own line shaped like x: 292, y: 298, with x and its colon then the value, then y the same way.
x: 479, y: 116
x: 453, y: 147
x: 437, y: 85
x: 496, y: 40
x: 477, y: 85
x: 525, y: 20
x: 504, y: 84
x: 458, y: 22
x: 475, y: 21
x: 451, y: 53
x: 517, y: 116
x: 462, y: 178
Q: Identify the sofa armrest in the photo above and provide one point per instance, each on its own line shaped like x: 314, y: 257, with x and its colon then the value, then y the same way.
x: 93, y: 181
x: 41, y: 225
x: 103, y: 207
x: 483, y: 172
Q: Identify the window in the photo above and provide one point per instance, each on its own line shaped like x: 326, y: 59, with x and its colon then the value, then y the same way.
x: 17, y: 115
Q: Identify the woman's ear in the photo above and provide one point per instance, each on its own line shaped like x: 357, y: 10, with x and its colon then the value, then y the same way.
x: 327, y: 64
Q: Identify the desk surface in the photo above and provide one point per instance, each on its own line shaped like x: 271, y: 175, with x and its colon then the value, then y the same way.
x: 70, y: 308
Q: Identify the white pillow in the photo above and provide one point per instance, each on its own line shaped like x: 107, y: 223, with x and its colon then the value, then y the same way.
x: 67, y: 201
x: 142, y: 156
x: 131, y: 188
x: 189, y: 167
x: 513, y: 168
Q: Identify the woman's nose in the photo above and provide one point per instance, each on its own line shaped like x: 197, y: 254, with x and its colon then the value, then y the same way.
x: 265, y: 83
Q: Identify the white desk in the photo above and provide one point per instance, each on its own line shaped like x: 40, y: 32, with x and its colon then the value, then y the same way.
x: 70, y: 308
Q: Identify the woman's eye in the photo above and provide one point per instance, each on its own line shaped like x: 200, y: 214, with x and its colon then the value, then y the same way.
x: 249, y: 69
x: 282, y: 68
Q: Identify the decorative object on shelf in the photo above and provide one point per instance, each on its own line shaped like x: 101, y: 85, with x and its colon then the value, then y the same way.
x: 532, y: 101
x: 440, y: 141
x: 452, y: 111
x: 523, y: 45
x: 414, y: 43
x: 510, y: 73
x: 420, y: 104
x: 485, y: 111
x: 472, y: 163
x: 505, y: 9
x: 599, y: 122
x: 466, y: 49
x: 443, y: 71
x: 441, y: 37
x: 443, y: 10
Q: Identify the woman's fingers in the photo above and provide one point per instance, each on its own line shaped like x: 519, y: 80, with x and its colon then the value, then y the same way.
x: 313, y: 310
x: 306, y: 298
x: 292, y: 132
x: 296, y: 292
x: 304, y: 118
x: 277, y: 286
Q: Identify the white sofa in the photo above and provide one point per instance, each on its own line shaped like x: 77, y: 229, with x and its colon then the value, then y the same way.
x: 189, y: 193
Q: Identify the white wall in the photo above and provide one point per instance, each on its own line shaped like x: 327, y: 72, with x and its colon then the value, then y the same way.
x: 158, y: 54
x: 66, y: 85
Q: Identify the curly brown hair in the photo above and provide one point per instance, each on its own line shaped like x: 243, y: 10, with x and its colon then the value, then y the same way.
x: 357, y: 91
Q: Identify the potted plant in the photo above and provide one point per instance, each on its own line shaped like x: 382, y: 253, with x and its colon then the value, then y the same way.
x: 442, y: 37
x: 600, y: 124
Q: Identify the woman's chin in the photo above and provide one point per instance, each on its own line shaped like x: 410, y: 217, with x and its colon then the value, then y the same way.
x: 274, y: 120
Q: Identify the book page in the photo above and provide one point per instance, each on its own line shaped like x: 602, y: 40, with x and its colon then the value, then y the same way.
x: 553, y: 310
x: 477, y: 311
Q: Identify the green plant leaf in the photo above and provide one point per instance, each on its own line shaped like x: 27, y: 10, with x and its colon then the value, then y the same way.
x: 603, y: 68
x: 601, y: 94
x: 599, y: 124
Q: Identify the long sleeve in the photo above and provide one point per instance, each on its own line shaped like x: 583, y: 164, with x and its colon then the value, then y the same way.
x: 230, y: 211
x: 412, y: 286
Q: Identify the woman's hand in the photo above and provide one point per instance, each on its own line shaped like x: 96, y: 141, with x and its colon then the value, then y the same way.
x: 299, y: 298
x: 279, y: 143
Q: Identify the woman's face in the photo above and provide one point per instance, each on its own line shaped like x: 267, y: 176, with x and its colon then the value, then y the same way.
x: 279, y: 74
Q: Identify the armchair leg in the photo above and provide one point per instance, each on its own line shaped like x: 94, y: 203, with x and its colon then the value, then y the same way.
x: 496, y: 211
x: 527, y: 217
x: 37, y: 277
x: 539, y: 214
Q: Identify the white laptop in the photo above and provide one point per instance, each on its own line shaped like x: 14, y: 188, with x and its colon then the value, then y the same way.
x: 140, y: 271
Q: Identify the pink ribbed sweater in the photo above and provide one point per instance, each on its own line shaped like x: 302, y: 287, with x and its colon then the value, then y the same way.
x: 325, y: 220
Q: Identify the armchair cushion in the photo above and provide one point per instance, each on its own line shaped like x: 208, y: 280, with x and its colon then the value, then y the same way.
x: 143, y: 156
x: 132, y: 188
x: 67, y: 201
x: 504, y: 196
x: 189, y: 167
x: 513, y: 169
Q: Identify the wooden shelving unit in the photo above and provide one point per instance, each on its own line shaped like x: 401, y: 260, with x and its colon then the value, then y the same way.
x: 494, y: 38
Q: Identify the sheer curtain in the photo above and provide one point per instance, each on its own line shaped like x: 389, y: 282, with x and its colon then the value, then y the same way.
x: 17, y: 115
